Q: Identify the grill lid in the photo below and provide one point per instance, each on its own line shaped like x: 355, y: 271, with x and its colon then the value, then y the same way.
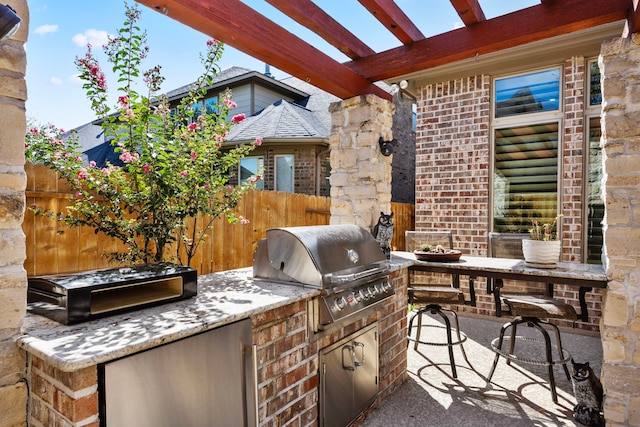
x: 322, y: 256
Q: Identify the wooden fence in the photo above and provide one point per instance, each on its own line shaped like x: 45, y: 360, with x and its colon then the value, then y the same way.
x: 53, y: 247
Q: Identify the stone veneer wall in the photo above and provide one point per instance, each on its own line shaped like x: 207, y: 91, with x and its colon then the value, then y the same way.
x: 288, y: 371
x: 620, y: 327
x: 13, y: 277
x: 360, y: 174
x: 453, y: 172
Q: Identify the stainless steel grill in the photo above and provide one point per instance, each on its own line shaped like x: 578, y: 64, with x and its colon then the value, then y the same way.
x: 344, y: 261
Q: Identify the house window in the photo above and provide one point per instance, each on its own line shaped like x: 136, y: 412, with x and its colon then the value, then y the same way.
x: 211, y: 105
x: 525, y: 176
x: 284, y: 173
x: 251, y: 166
x: 534, y: 92
x: 595, y: 204
x: 595, y: 94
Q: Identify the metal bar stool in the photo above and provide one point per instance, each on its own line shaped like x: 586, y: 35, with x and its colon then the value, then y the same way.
x: 430, y: 298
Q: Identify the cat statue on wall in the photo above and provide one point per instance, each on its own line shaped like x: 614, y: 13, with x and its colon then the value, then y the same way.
x: 383, y: 233
x: 588, y: 392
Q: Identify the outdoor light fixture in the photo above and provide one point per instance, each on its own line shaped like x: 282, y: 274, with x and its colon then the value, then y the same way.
x: 9, y: 22
x: 400, y: 86
x: 386, y: 147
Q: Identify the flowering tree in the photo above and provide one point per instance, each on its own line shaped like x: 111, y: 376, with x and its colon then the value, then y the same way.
x: 175, y: 173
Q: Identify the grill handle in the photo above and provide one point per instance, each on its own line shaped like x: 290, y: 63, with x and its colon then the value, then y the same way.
x: 350, y: 350
x: 40, y: 295
x: 345, y: 278
x: 361, y: 345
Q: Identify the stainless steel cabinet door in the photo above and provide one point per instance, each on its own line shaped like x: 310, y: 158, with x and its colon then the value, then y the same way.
x: 204, y: 380
x: 349, y: 377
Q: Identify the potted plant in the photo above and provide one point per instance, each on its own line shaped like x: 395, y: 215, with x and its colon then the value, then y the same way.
x: 162, y: 203
x: 543, y: 249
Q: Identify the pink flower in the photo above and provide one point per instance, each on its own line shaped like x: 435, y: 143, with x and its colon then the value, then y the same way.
x: 184, y: 173
x: 238, y: 118
x: 34, y: 131
x: 243, y: 220
x: 82, y: 174
x: 92, y: 164
x: 146, y: 169
x: 258, y: 141
x: 192, y: 126
x: 194, y: 156
x: 229, y: 103
x: 123, y: 100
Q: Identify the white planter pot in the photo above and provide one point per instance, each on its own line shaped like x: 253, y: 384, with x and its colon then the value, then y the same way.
x: 540, y: 253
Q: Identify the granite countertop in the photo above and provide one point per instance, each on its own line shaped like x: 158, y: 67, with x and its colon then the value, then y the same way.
x: 222, y: 298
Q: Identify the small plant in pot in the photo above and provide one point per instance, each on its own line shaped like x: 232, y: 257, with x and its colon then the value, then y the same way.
x: 429, y: 252
x: 543, y: 249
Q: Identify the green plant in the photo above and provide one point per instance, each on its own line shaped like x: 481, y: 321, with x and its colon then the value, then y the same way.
x: 546, y: 231
x: 175, y: 172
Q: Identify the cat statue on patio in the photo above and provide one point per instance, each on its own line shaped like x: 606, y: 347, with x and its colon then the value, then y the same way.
x: 588, y: 393
x: 383, y: 233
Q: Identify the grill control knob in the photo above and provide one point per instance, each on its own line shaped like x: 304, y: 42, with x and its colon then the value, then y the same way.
x: 373, y: 291
x: 340, y: 303
x: 387, y: 286
x: 359, y: 296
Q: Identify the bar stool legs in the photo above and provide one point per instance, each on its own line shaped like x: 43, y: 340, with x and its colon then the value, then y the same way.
x: 460, y: 337
x: 563, y: 355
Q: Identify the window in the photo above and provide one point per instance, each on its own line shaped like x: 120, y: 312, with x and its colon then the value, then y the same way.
x: 595, y: 94
x: 525, y: 176
x: 595, y: 204
x: 527, y: 93
x: 251, y: 166
x: 284, y: 173
x: 211, y: 105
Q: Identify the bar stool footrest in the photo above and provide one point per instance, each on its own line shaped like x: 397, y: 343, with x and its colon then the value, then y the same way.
x: 566, y: 357
x: 454, y: 332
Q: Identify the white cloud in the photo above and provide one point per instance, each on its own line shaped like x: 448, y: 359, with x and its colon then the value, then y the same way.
x: 55, y: 81
x: 91, y: 36
x: 46, y: 29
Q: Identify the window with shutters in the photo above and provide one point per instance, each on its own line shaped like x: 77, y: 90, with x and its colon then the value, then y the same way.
x: 595, y: 203
x: 526, y: 142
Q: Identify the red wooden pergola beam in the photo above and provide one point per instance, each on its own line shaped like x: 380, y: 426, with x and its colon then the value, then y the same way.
x: 469, y: 11
x: 633, y: 20
x: 515, y: 29
x: 306, y: 13
x: 238, y: 25
x: 394, y: 20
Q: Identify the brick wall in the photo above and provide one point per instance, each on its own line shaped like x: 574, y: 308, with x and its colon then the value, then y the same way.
x: 288, y: 375
x: 453, y: 173
x: 13, y: 277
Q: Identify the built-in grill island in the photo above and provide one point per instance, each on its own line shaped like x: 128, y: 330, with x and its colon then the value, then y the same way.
x: 77, y: 297
x: 346, y: 263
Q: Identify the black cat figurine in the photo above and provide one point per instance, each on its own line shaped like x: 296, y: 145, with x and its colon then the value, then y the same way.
x: 588, y: 392
x: 383, y: 232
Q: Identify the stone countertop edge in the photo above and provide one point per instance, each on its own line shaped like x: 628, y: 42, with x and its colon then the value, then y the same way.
x: 223, y: 298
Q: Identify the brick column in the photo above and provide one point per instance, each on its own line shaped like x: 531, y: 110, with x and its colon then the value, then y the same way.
x: 13, y: 279
x: 360, y: 174
x: 620, y: 326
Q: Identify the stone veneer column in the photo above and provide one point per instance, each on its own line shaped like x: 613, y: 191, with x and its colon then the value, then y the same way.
x: 620, y: 325
x: 13, y: 278
x: 360, y: 174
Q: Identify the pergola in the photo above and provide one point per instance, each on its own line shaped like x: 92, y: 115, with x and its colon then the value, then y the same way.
x: 238, y: 25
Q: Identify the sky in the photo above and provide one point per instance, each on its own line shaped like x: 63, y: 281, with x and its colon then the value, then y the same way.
x: 59, y: 31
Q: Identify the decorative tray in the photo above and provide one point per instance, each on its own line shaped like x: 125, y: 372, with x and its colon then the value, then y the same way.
x: 448, y: 256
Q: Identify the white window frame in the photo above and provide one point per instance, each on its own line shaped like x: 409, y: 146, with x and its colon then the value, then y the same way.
x: 525, y: 119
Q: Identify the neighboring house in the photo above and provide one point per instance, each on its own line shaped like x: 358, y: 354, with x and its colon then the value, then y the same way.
x: 292, y: 118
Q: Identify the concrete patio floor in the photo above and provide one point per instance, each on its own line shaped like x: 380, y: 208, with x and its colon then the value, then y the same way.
x: 518, y: 395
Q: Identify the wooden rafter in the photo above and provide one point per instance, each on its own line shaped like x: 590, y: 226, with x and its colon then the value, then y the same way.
x: 633, y: 20
x: 238, y: 25
x: 514, y: 29
x: 394, y: 20
x: 306, y: 13
x: 469, y: 11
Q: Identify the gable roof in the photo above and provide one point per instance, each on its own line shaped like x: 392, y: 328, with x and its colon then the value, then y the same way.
x: 281, y: 120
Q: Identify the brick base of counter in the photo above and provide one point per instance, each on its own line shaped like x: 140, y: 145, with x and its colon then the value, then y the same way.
x: 288, y: 374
